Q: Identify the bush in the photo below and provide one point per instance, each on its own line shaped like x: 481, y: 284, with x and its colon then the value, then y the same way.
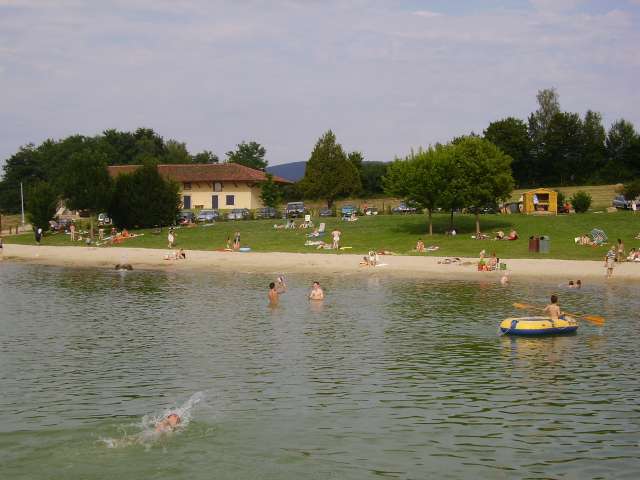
x: 631, y: 190
x: 581, y: 201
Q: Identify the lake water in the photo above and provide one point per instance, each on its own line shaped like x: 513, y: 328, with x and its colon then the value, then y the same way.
x: 388, y: 377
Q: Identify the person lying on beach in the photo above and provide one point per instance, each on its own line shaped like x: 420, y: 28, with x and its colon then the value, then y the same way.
x: 553, y: 309
x: 273, y: 294
x: 316, y: 292
x: 513, y: 235
x: 634, y: 255
x: 169, y: 423
x: 499, y: 235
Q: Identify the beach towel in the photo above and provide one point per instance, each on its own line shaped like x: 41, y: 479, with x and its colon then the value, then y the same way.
x: 599, y: 237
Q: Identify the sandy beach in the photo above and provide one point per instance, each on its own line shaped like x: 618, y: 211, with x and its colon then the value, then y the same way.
x: 153, y: 259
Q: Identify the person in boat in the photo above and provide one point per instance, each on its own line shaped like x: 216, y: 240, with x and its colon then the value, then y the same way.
x: 273, y: 294
x: 316, y: 292
x: 169, y: 423
x: 553, y: 309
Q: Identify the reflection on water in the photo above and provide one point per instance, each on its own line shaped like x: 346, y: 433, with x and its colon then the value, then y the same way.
x: 385, y: 377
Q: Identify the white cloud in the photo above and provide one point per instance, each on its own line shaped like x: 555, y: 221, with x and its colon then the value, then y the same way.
x: 427, y: 14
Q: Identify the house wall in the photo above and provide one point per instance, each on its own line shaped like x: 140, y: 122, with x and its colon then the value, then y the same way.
x: 201, y: 193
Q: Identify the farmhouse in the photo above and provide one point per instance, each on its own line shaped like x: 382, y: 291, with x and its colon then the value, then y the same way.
x: 215, y: 185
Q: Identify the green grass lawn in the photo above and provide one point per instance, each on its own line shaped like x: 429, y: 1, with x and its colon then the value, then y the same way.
x: 399, y: 233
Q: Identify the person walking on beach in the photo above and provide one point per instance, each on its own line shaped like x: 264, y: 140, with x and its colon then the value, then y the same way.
x: 609, y: 261
x: 72, y: 229
x: 273, y: 294
x: 336, y: 239
x: 620, y: 257
x: 236, y: 241
x: 38, y: 235
x: 171, y: 238
x: 316, y: 292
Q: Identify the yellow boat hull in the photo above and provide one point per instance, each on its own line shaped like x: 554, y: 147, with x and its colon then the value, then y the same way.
x: 538, y: 325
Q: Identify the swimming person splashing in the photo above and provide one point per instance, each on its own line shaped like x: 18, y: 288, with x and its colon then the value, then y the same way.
x: 168, y: 423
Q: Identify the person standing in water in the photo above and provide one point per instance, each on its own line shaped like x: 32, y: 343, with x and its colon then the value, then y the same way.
x: 316, y: 292
x: 281, y: 285
x: 553, y: 309
x: 273, y: 294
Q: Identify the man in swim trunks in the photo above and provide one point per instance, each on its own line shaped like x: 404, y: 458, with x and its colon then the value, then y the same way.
x: 168, y: 424
x: 316, y: 292
x: 273, y: 294
x: 553, y: 309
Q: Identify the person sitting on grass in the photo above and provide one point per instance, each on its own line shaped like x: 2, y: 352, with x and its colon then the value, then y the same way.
x: 499, y: 235
x: 513, y: 235
x: 634, y: 255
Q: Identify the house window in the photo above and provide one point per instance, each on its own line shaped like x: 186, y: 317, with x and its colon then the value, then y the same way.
x: 186, y: 185
x: 186, y: 202
x: 217, y: 187
x: 231, y: 199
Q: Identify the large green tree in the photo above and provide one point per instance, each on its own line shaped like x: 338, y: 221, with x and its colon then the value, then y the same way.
x: 144, y: 199
x: 623, y: 162
x: 563, y: 150
x: 539, y: 122
x: 512, y: 137
x: 329, y: 174
x: 249, y: 154
x: 371, y: 175
x: 42, y: 201
x: 85, y: 182
x: 206, y: 156
x: 483, y: 172
x: 420, y: 177
x: 593, y: 151
x: 270, y: 192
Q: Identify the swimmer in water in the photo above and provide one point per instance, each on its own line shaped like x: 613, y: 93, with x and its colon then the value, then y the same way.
x: 281, y: 285
x: 273, y: 294
x: 168, y: 424
x: 316, y: 292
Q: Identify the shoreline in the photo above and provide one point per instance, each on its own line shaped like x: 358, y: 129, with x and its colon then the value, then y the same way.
x: 276, y: 262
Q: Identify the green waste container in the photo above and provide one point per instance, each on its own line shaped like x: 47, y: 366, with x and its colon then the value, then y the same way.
x: 545, y: 244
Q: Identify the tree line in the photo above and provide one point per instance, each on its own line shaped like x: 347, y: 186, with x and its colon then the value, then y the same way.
x: 49, y: 161
x: 556, y: 148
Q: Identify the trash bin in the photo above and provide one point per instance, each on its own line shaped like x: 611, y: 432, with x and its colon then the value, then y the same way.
x: 534, y: 244
x: 545, y: 244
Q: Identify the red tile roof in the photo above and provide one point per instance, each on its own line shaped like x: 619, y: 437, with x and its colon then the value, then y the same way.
x: 203, y: 172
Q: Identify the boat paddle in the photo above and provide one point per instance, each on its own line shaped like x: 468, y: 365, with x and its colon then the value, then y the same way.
x: 596, y: 320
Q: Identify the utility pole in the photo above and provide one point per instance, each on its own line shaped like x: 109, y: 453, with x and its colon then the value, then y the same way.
x: 22, y: 202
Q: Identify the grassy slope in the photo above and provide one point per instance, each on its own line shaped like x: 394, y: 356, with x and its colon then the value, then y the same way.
x: 399, y: 234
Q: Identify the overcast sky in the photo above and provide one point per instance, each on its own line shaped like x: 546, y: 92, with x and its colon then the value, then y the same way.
x: 385, y: 75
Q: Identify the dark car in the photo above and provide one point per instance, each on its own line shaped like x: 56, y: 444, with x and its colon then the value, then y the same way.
x: 325, y: 212
x: 294, y: 209
x: 238, y: 214
x: 405, y: 208
x: 348, y: 210
x: 208, y: 216
x: 620, y: 202
x: 267, y: 212
x: 186, y: 217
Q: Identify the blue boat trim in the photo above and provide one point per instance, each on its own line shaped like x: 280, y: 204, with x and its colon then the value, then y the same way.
x: 541, y: 331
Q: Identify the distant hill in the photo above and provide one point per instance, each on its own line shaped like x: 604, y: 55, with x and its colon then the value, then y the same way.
x: 293, y: 171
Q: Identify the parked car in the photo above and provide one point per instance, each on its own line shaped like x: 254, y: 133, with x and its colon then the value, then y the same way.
x: 620, y: 202
x: 208, y: 216
x: 267, y: 212
x: 103, y: 219
x: 294, y: 209
x: 186, y: 217
x: 238, y: 214
x: 348, y: 210
x: 371, y: 211
x: 405, y: 208
x: 325, y: 212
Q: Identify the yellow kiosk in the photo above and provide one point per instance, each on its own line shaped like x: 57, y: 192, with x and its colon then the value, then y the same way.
x: 541, y: 201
